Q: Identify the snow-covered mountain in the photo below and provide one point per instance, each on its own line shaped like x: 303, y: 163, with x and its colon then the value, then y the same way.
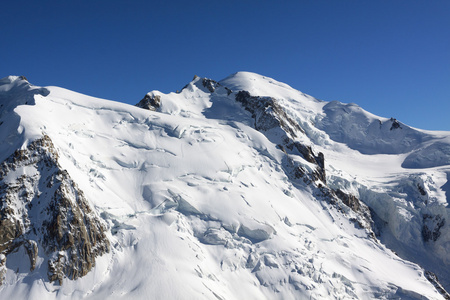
x: 239, y: 189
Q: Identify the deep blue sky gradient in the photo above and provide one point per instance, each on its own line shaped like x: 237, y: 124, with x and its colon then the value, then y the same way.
x: 390, y: 57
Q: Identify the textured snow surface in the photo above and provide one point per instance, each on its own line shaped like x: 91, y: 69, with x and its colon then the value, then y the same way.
x: 198, y: 204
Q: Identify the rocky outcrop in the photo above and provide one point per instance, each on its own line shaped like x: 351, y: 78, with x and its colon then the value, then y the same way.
x: 269, y: 114
x: 72, y: 228
x: 435, y: 281
x: 150, y: 102
x: 307, y: 153
x: 298, y: 171
x: 358, y: 207
x: 45, y: 209
x: 395, y: 124
x: 431, y: 229
x: 349, y: 200
x: 210, y: 84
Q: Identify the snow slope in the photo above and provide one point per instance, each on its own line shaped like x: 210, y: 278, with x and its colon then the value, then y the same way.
x: 198, y: 204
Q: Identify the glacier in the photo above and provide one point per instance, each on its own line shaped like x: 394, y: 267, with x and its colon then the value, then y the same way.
x: 230, y: 189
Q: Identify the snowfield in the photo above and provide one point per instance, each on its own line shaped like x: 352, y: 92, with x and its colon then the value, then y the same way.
x: 202, y: 197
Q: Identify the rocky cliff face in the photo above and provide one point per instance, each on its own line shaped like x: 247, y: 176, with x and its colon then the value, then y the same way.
x: 43, y: 210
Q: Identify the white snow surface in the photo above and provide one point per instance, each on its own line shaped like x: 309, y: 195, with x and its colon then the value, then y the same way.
x: 198, y: 206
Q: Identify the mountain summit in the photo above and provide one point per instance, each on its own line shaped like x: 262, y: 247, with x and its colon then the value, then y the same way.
x: 243, y: 188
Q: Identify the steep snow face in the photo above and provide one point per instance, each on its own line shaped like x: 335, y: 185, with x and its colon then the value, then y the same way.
x: 198, y: 204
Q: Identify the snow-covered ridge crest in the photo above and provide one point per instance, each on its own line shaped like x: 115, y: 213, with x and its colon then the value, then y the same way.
x: 208, y: 194
x: 255, y: 84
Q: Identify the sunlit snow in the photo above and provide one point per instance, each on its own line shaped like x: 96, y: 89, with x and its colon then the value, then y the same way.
x: 198, y: 204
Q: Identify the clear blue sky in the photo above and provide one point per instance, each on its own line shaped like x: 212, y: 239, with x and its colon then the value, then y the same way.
x: 390, y: 57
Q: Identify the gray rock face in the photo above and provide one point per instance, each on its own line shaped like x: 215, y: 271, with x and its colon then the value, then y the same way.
x: 431, y: 227
x: 395, y: 124
x: 268, y: 114
x: 210, y: 84
x: 152, y: 103
x: 45, y: 210
x: 357, y: 206
x: 435, y: 281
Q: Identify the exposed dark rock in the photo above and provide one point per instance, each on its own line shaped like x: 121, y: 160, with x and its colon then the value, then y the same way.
x: 364, y: 217
x: 349, y: 200
x: 48, y: 209
x: 152, y: 103
x: 72, y: 228
x: 308, y: 154
x: 421, y: 190
x: 395, y: 124
x: 210, y: 84
x: 435, y: 281
x: 229, y: 91
x: 337, y: 198
x: 431, y: 227
x: 357, y: 206
x: 268, y: 113
x: 32, y: 250
x: 9, y: 231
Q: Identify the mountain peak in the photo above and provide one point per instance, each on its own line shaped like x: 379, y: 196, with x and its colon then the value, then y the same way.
x: 255, y: 84
x: 243, y: 188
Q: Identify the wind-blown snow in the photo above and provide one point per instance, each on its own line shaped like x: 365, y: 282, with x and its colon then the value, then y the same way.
x: 198, y: 204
